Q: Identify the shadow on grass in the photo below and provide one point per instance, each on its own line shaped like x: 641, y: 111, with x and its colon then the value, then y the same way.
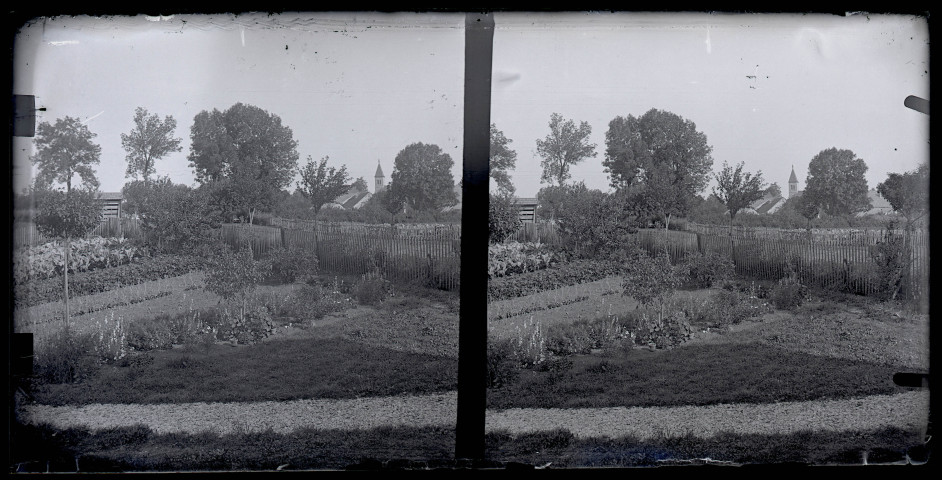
x: 694, y: 375
x: 288, y: 369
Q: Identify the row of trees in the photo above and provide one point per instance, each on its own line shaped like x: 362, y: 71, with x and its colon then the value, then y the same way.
x: 244, y: 158
x: 659, y: 163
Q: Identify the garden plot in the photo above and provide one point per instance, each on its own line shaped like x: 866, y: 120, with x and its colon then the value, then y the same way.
x: 506, y: 318
x: 134, y: 301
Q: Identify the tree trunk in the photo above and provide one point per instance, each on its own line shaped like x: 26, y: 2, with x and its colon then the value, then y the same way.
x: 667, y: 221
x: 65, y: 279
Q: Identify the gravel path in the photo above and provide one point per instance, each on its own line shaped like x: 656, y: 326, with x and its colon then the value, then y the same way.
x: 905, y: 410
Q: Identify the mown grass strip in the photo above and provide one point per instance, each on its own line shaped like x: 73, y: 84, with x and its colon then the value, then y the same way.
x: 285, y: 369
x: 695, y: 375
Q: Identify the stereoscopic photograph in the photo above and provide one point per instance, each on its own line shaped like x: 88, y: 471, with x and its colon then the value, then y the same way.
x: 240, y: 241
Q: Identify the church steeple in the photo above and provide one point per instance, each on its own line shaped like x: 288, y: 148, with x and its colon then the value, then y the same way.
x: 792, y: 183
x: 379, y: 177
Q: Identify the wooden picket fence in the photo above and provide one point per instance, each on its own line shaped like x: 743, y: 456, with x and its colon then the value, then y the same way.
x: 538, y: 232
x: 839, y: 259
x: 429, y: 254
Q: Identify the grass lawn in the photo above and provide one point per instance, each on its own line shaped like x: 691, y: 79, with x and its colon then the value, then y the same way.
x: 281, y: 369
x: 694, y: 375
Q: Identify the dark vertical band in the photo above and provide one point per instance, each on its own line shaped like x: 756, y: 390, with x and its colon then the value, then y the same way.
x: 472, y: 328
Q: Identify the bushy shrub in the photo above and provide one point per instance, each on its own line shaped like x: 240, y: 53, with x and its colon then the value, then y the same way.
x: 652, y: 281
x: 712, y: 269
x: 890, y: 257
x: 664, y: 331
x: 592, y: 223
x: 581, y: 336
x: 288, y: 265
x: 66, y: 357
x: 501, y: 363
x: 788, y: 294
x: 233, y: 275
x: 165, y: 330
x: 372, y: 289
x: 503, y: 218
x: 724, y: 308
x: 311, y: 302
x: 175, y: 217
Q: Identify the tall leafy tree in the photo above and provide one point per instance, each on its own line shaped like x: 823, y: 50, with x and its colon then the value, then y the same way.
x: 360, y: 185
x: 421, y: 179
x: 565, y: 146
x: 662, y: 157
x: 806, y: 207
x: 248, y: 150
x: 150, y: 140
x: 503, y: 159
x: 908, y: 193
x: 321, y: 184
x: 737, y: 189
x: 773, y: 190
x: 65, y: 150
x: 836, y: 183
x: 140, y: 195
x: 66, y: 215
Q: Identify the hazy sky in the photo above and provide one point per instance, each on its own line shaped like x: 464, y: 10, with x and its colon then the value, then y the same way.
x: 361, y: 87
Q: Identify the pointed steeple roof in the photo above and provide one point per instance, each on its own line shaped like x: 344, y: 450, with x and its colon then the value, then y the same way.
x: 793, y: 178
x: 379, y: 170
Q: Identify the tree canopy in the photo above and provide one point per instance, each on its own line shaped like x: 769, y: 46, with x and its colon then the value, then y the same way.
x: 836, y: 183
x: 421, y: 179
x: 248, y: 150
x: 908, y: 193
x: 737, y: 189
x: 661, y: 156
x: 360, y: 184
x: 66, y: 215
x: 64, y: 150
x: 565, y: 146
x: 502, y: 159
x: 150, y: 140
x: 320, y: 184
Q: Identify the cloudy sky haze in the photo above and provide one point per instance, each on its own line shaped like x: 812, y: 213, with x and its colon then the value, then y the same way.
x: 767, y: 90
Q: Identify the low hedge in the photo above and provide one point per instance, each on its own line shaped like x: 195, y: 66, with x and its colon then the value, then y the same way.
x: 563, y: 275
x: 104, y: 280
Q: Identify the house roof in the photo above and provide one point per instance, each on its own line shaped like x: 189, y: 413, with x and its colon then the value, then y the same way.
x: 110, y: 196
x: 767, y: 204
x: 877, y: 201
x: 352, y: 202
x: 525, y: 201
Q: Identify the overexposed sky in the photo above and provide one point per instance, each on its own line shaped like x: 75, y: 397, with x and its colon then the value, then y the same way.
x: 820, y: 81
x: 355, y: 88
x: 768, y: 90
